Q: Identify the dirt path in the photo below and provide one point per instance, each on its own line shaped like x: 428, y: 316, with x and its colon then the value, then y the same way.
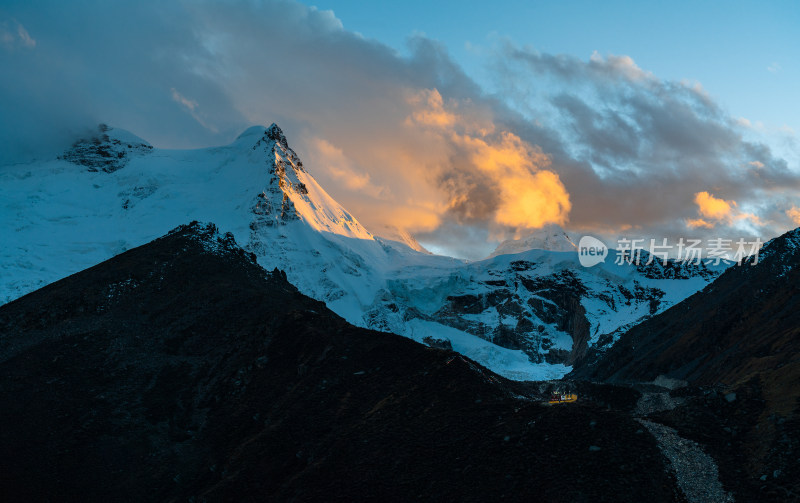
x: 695, y: 470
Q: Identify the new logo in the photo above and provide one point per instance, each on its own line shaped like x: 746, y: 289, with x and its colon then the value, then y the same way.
x: 591, y: 251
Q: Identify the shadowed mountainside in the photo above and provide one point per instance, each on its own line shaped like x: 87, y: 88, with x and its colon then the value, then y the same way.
x: 181, y: 369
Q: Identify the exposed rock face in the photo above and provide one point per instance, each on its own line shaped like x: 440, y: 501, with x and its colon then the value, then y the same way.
x: 275, y: 134
x: 544, y: 304
x: 274, y: 206
x: 673, y: 269
x: 183, y: 371
x: 438, y: 343
x: 106, y: 150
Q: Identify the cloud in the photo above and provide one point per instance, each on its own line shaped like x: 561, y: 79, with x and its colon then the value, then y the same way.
x: 13, y: 35
x: 714, y: 210
x: 490, y: 174
x: 794, y: 214
x: 193, y: 108
x: 429, y: 109
x: 333, y: 160
x: 24, y: 37
x: 186, y: 102
x: 410, y: 141
x: 712, y: 207
x: 632, y: 149
x: 774, y: 67
x: 695, y: 223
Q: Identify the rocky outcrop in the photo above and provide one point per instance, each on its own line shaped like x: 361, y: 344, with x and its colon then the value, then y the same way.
x: 105, y: 150
x: 274, y: 206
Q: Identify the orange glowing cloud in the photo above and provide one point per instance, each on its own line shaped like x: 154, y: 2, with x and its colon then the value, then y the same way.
x: 530, y: 197
x: 429, y: 109
x: 434, y: 161
x: 695, y: 223
x: 794, y: 214
x: 527, y: 195
x: 415, y: 215
x: 397, y: 196
x: 713, y: 207
x: 714, y: 210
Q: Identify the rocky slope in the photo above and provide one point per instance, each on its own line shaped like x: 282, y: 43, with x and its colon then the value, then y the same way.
x: 182, y: 370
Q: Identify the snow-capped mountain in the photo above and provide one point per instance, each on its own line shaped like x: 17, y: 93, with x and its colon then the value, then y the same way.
x: 393, y: 233
x: 551, y: 237
x: 527, y: 315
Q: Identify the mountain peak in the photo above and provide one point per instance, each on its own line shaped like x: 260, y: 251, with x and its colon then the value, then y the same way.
x: 393, y: 233
x: 273, y: 132
x: 291, y: 193
x: 785, y: 244
x: 252, y: 131
x: 550, y: 237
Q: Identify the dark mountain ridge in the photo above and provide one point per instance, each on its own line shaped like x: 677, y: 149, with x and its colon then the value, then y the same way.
x: 181, y: 370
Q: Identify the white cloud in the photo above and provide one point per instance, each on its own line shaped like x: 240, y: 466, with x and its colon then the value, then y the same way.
x: 13, y: 35
x: 183, y: 100
x: 24, y: 37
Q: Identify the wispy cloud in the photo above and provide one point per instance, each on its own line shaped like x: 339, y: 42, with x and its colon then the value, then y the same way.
x: 13, y: 35
x: 193, y: 108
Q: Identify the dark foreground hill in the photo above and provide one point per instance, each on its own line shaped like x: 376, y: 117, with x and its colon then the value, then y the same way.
x: 182, y: 371
x: 737, y: 345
